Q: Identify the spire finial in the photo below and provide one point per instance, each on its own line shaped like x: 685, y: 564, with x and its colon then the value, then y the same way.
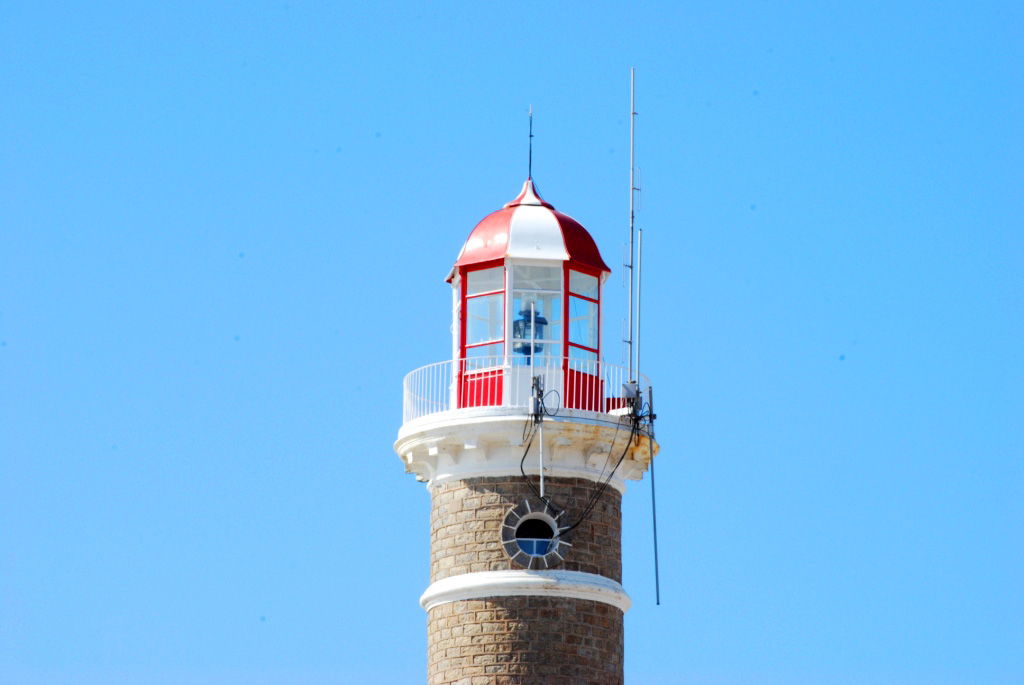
x: 529, y: 167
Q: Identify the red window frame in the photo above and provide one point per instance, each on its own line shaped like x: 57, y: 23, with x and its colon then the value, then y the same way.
x: 480, y: 387
x: 569, y: 266
x: 582, y: 390
x: 464, y: 297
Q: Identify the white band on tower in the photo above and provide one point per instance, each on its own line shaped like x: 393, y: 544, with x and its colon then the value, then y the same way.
x: 571, y: 584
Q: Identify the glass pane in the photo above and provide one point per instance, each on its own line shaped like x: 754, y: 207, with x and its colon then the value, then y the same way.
x: 533, y: 547
x: 537, y: 277
x: 538, y: 316
x: 484, y: 356
x: 583, y: 322
x: 583, y: 284
x: 546, y: 353
x: 585, y: 355
x: 485, y: 280
x: 484, y: 318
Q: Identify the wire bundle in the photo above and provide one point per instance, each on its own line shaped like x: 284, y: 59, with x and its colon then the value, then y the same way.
x: 530, y: 431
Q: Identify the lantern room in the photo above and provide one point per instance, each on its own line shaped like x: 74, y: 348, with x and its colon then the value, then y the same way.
x: 527, y: 302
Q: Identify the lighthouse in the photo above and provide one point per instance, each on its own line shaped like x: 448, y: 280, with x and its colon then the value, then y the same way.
x: 526, y: 439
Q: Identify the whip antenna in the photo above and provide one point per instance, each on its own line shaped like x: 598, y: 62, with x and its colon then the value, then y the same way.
x: 632, y: 194
x: 633, y: 342
x: 654, y: 504
x: 650, y: 411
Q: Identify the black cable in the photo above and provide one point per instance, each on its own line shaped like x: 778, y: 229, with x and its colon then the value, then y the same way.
x: 633, y: 432
x: 544, y: 406
x: 529, y: 429
x: 526, y: 428
x: 590, y: 503
x: 596, y: 496
x: 611, y: 451
x: 522, y: 463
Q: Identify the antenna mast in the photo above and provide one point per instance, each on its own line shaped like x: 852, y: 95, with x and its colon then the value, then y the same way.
x: 632, y: 194
x: 639, y: 293
x: 636, y: 279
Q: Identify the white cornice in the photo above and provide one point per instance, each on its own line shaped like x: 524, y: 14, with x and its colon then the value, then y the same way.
x: 467, y: 444
x: 571, y: 584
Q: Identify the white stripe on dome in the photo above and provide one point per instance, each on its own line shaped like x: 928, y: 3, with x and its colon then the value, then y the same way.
x: 534, y: 233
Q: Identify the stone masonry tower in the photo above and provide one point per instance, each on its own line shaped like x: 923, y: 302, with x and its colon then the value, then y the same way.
x: 525, y: 439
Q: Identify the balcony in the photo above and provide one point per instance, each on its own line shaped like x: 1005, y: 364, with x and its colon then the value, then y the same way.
x: 573, y: 388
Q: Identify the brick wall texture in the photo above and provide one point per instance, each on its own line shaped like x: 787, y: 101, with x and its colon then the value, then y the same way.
x: 466, y: 517
x: 522, y: 639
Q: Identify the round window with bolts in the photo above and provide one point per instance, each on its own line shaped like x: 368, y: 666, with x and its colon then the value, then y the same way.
x: 531, y: 535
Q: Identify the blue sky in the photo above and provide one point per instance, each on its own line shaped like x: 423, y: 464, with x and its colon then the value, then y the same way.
x: 223, y: 233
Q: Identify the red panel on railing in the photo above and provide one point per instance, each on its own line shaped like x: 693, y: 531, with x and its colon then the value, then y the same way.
x: 482, y: 389
x: 583, y: 391
x: 613, y: 403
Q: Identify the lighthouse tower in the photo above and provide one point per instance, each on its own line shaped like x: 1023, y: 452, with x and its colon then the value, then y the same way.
x: 525, y: 439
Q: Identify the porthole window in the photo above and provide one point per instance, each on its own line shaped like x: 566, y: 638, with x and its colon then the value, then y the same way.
x: 534, y: 536
x: 531, y: 535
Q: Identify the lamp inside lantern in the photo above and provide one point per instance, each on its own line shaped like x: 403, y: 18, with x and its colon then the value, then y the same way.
x: 527, y: 330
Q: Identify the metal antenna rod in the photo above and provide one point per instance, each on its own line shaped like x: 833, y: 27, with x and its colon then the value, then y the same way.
x: 540, y: 430
x: 639, y: 286
x: 632, y: 191
x: 529, y: 166
x: 654, y: 502
x: 539, y: 390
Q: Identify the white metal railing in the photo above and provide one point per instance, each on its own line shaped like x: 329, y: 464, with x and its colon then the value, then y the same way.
x: 577, y: 384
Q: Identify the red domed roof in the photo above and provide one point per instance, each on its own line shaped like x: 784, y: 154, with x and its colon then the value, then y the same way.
x: 530, y: 228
